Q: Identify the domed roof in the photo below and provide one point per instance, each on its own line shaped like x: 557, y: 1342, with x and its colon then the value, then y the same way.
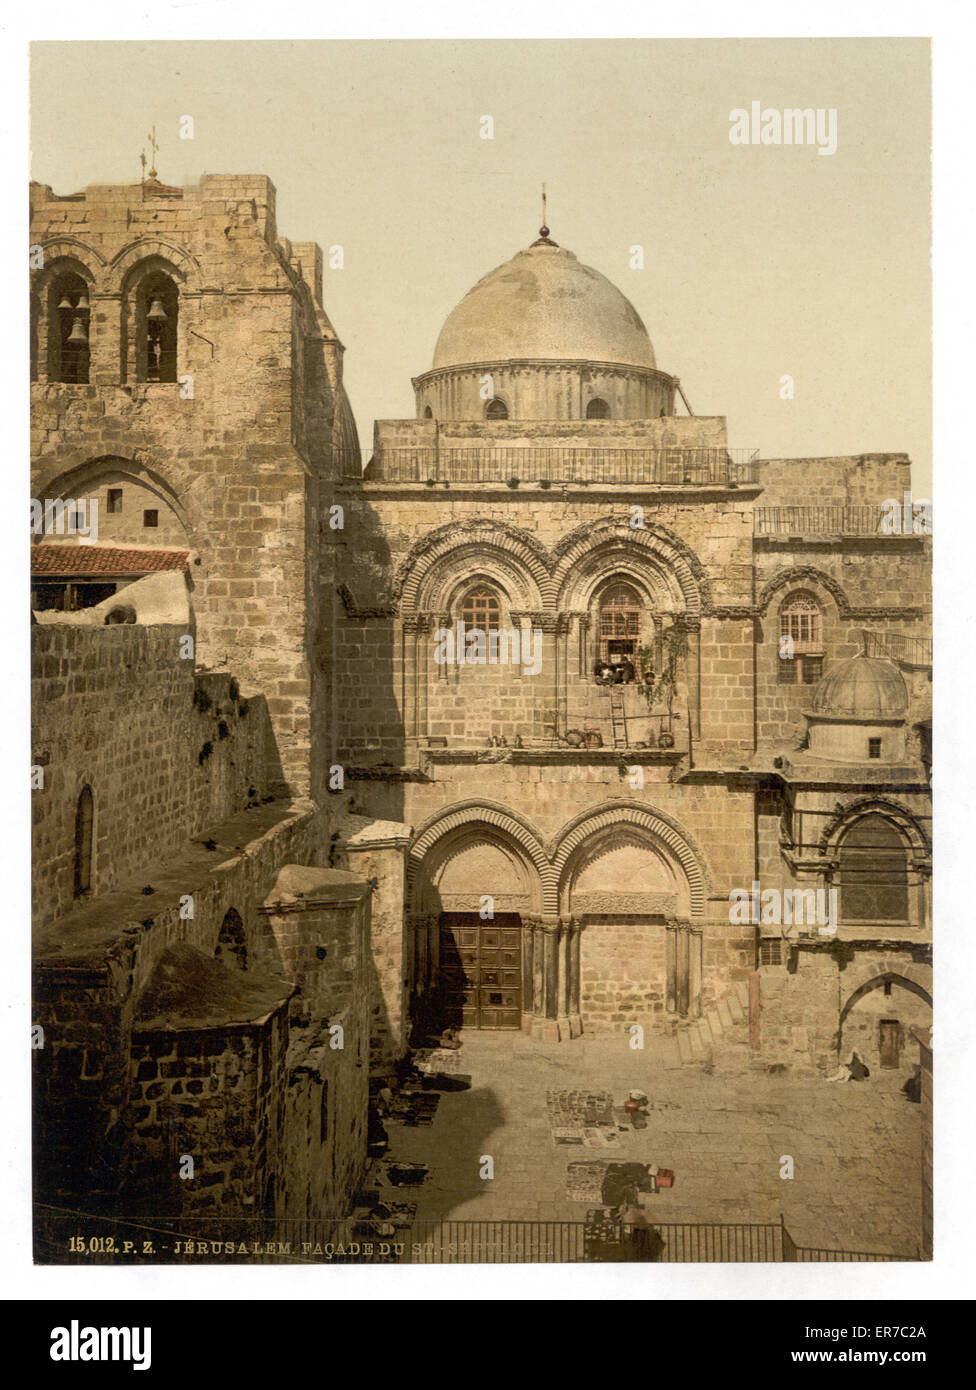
x: 544, y: 304
x: 864, y: 687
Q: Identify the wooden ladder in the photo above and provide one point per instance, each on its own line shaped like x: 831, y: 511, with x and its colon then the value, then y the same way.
x: 618, y: 723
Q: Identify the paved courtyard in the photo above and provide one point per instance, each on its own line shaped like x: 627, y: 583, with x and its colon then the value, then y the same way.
x: 856, y: 1147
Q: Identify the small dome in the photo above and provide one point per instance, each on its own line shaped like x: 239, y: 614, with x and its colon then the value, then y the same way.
x: 865, y: 687
x: 544, y: 304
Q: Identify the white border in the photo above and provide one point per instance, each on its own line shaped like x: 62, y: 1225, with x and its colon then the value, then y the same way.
x: 950, y: 1276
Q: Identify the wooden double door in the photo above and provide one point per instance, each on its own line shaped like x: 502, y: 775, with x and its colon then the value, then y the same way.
x: 481, y: 970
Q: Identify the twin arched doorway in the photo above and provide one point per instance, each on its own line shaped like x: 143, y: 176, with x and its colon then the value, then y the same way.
x: 506, y: 934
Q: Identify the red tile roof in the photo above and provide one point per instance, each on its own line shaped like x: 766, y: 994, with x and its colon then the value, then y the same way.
x: 79, y: 560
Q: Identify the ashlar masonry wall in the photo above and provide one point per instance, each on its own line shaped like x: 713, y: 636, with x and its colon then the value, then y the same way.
x: 167, y: 751
x: 237, y: 448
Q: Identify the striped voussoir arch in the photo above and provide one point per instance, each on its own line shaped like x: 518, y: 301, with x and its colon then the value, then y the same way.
x: 591, y: 822
x: 476, y: 813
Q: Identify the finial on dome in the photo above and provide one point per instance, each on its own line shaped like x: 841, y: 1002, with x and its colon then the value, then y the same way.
x: 544, y: 239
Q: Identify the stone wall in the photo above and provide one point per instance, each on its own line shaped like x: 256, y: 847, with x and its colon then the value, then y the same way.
x: 215, y: 1096
x: 375, y: 852
x: 549, y: 392
x: 320, y: 919
x: 389, y: 688
x: 166, y: 750
x: 859, y: 481
x: 880, y: 586
x: 92, y: 968
x: 923, y: 1037
x: 238, y: 456
x: 622, y: 975
x: 809, y: 1020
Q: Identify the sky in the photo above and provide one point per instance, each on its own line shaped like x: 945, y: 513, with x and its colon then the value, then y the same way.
x: 760, y: 261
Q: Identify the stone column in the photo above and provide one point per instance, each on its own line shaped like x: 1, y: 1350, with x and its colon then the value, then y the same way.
x: 575, y: 944
x: 550, y: 946
x: 422, y: 656
x: 681, y: 983
x: 684, y: 968
x: 425, y: 930
x: 692, y: 625
x: 694, y: 969
x: 421, y: 968
x: 583, y: 623
x: 545, y: 978
x: 409, y: 626
x: 105, y: 327
x: 528, y: 941
x: 549, y: 675
x: 434, y: 951
x: 41, y: 305
x: 562, y: 979
x: 671, y: 967
x: 563, y: 646
x: 568, y: 1016
x: 538, y: 974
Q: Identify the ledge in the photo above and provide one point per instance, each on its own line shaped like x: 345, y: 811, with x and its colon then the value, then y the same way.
x: 527, y: 487
x: 553, y: 757
x: 82, y: 937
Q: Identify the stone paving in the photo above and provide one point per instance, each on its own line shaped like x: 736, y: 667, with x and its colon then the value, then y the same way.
x: 856, y: 1147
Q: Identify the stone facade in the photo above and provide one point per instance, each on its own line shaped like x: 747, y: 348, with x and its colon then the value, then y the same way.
x: 280, y: 826
x: 539, y: 789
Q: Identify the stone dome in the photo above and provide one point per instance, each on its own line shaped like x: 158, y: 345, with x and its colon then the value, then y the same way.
x: 864, y: 687
x: 544, y: 303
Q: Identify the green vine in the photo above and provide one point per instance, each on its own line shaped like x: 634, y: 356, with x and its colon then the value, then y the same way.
x: 675, y: 650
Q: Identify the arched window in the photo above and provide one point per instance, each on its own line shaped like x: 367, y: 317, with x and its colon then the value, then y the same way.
x: 800, y: 658
x: 873, y: 872
x: 597, y: 409
x: 157, y: 307
x: 84, y: 827
x: 496, y: 409
x: 428, y: 413
x: 481, y: 610
x: 68, y: 322
x: 231, y: 945
x: 620, y: 625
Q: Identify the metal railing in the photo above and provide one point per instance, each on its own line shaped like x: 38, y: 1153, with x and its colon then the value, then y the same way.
x: 898, y: 646
x: 680, y: 467
x: 820, y: 521
x: 811, y: 1255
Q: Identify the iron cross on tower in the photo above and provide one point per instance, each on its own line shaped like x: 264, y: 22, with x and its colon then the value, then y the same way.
x: 155, y: 150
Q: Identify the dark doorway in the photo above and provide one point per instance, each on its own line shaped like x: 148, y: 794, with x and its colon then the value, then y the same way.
x: 889, y: 1044
x: 481, y: 970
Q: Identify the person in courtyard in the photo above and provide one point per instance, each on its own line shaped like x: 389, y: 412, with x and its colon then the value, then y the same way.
x: 853, y: 1070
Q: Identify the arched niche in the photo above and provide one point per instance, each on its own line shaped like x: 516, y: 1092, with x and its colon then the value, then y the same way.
x: 135, y: 507
x: 877, y: 1018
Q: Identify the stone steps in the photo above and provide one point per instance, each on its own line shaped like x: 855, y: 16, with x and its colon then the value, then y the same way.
x: 723, y: 1026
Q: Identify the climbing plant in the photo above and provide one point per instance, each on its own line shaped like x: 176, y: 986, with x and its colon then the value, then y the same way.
x: 675, y: 650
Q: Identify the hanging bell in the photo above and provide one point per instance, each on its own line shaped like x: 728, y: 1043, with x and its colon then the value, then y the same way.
x: 156, y: 311
x: 66, y: 303
x: 83, y: 304
x: 78, y: 337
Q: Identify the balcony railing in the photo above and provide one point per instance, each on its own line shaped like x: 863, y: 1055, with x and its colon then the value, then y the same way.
x: 679, y: 467
x: 898, y: 646
x: 820, y: 521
